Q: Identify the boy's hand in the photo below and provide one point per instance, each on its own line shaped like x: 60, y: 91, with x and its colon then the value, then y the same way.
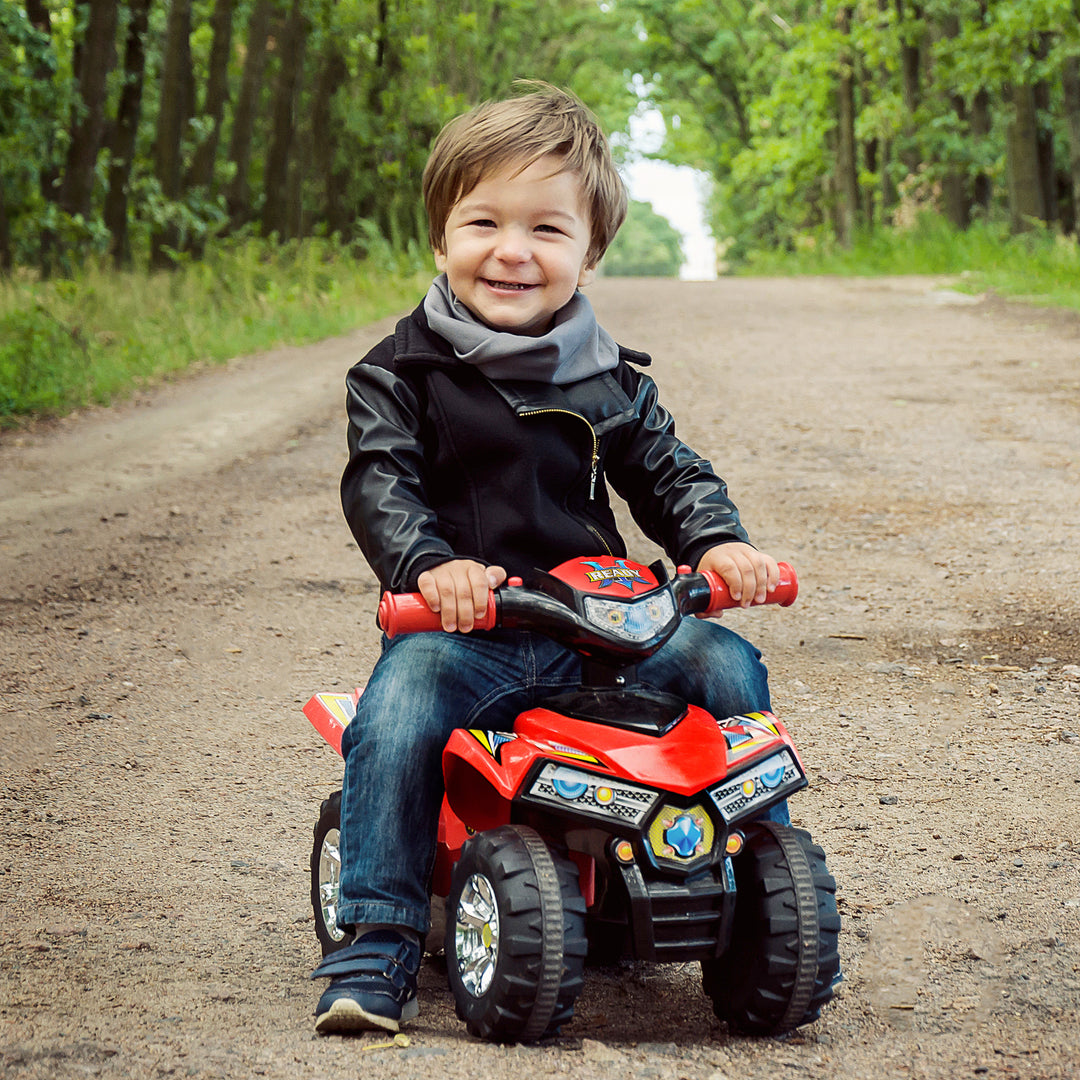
x: 748, y: 573
x: 458, y: 591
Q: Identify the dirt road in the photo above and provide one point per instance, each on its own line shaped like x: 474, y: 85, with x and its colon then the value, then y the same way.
x: 176, y: 579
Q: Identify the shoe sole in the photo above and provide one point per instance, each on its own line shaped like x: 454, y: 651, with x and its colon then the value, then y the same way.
x: 346, y: 1016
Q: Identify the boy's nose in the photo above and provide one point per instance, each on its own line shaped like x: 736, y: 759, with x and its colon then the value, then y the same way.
x: 512, y: 246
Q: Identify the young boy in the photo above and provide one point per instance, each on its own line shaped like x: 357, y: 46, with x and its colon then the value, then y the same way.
x: 482, y: 436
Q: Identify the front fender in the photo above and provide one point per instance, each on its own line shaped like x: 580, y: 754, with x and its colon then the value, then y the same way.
x: 483, y: 771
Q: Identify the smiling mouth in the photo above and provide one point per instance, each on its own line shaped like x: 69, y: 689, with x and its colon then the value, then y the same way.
x: 512, y: 286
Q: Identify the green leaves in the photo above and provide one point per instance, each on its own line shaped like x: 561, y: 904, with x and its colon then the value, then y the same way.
x: 756, y: 88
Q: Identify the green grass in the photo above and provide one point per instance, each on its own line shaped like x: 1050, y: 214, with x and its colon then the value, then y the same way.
x: 1039, y: 266
x: 70, y: 343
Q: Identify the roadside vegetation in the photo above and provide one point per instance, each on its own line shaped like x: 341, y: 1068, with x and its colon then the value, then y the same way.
x: 70, y: 342
x: 1040, y: 267
x: 171, y: 170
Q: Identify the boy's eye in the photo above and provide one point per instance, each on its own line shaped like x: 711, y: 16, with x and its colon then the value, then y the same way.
x: 484, y: 223
x: 548, y: 229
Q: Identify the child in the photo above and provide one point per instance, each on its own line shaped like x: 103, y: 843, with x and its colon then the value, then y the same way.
x: 482, y: 435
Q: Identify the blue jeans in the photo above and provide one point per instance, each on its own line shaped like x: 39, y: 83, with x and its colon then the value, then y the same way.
x: 426, y: 685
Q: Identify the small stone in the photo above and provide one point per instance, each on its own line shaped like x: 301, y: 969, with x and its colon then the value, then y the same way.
x: 888, y: 800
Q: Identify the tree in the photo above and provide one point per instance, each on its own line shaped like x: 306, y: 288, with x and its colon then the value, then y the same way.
x: 201, y: 172
x: 647, y: 245
x: 290, y: 73
x: 126, y: 131
x: 172, y: 120
x: 96, y: 58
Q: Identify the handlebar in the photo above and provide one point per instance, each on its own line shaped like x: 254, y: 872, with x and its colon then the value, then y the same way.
x: 702, y: 593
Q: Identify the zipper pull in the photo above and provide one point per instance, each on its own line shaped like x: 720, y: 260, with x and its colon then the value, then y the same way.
x: 592, y: 475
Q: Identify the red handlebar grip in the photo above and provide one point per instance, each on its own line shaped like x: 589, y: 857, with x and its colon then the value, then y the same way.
x: 787, y: 588
x: 408, y: 613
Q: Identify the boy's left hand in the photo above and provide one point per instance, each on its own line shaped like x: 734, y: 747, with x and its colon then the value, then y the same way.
x: 749, y: 574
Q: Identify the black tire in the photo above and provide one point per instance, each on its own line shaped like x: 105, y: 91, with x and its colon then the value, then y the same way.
x: 780, y: 967
x: 326, y: 876
x: 515, y: 936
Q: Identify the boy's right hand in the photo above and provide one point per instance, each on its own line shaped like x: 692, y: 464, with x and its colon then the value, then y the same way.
x: 458, y: 591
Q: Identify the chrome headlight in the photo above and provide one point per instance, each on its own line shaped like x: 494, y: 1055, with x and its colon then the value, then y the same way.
x: 744, y: 794
x: 587, y: 793
x: 637, y: 620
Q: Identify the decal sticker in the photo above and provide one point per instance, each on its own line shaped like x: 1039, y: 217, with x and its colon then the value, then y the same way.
x: 751, y: 732
x: 619, y: 574
x: 756, y: 721
x: 342, y: 707
x: 491, y: 741
x: 735, y: 738
x: 568, y: 752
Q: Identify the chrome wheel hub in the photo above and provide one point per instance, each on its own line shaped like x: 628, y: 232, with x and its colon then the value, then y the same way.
x: 476, y: 935
x: 330, y: 882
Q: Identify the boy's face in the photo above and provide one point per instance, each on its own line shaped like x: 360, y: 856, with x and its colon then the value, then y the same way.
x: 515, y: 246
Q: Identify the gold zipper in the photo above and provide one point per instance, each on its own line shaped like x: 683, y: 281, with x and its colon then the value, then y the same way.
x: 594, y: 464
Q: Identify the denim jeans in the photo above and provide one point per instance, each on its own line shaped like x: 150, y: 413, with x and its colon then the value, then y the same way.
x: 425, y: 685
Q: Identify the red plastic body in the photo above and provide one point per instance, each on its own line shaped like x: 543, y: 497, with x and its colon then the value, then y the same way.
x: 485, y: 770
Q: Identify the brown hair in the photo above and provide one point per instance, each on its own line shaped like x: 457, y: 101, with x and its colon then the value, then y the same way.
x: 516, y: 132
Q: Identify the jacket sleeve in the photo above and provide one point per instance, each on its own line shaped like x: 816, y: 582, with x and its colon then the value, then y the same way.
x: 383, y: 487
x: 674, y: 494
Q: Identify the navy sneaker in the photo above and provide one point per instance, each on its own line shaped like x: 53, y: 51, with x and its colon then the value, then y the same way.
x: 372, y: 984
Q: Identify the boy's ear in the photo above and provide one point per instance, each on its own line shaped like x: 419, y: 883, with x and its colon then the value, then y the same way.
x: 587, y: 276
x: 440, y: 260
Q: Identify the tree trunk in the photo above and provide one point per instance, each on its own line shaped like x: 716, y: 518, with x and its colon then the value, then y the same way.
x: 7, y: 260
x: 125, y: 132
x: 847, y: 177
x: 172, y: 119
x: 49, y: 174
x: 884, y: 150
x: 909, y: 16
x: 954, y: 186
x: 275, y: 206
x: 98, y: 55
x: 983, y: 189
x: 1071, y: 85
x: 247, y: 107
x: 1025, y: 181
x: 201, y: 173
x: 1044, y: 137
x: 332, y: 74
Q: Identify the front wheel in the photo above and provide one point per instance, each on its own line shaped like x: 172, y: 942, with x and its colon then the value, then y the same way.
x: 782, y: 962
x: 515, y: 936
x: 326, y: 876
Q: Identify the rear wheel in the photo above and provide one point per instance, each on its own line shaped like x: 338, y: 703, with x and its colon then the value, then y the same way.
x: 326, y: 876
x: 782, y: 962
x: 515, y: 936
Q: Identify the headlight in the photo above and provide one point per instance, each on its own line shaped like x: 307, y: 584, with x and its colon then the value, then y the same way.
x: 588, y: 793
x: 743, y: 794
x: 635, y: 621
x: 682, y: 835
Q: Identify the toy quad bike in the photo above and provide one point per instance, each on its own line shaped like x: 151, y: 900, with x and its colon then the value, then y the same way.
x: 614, y: 820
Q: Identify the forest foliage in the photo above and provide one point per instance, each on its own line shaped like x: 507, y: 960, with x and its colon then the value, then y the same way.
x: 145, y: 131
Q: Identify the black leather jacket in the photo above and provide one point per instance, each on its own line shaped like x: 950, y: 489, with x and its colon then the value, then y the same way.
x: 444, y: 463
